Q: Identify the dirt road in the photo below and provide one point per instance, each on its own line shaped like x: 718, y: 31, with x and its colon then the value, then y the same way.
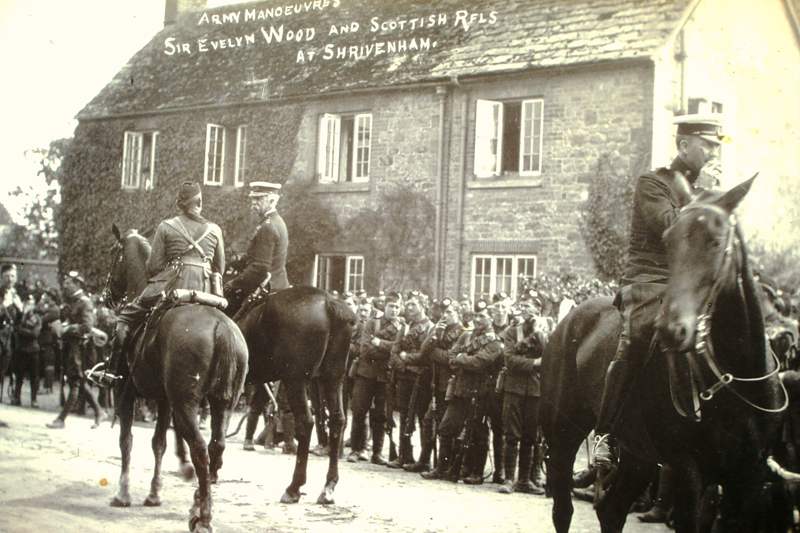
x: 62, y: 481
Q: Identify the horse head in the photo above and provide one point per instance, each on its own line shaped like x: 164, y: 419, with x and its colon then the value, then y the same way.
x: 128, y: 273
x: 701, y: 253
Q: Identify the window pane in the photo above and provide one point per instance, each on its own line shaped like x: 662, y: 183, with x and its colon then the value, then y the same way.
x: 531, y: 138
x: 241, y: 149
x: 503, y: 274
x: 362, y: 147
x: 482, y: 277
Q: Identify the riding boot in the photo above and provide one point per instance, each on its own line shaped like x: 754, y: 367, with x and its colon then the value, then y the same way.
x: 476, y: 459
x: 377, y: 448
x: 660, y: 510
x: 616, y: 384
x: 498, y: 465
x: 445, y: 456
x: 250, y: 429
x: 404, y: 454
x: 524, y: 483
x: 456, y: 461
x: 509, y: 464
x: 16, y: 398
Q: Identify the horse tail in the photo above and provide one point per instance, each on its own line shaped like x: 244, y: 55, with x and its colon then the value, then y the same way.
x: 228, y: 367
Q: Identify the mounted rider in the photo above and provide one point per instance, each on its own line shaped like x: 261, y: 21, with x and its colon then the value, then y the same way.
x: 657, y: 201
x: 267, y: 248
x: 187, y: 253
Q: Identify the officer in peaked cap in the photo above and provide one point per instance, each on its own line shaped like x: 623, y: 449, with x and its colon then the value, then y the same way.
x: 658, y: 197
x: 268, y: 246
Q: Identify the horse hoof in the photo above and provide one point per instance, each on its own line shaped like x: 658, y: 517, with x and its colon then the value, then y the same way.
x: 196, y: 527
x: 152, y: 501
x: 290, y: 498
x: 187, y: 471
x: 116, y: 501
x: 213, y: 479
x: 325, y: 498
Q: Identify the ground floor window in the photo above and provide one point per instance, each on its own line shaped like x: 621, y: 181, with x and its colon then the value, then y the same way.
x: 339, y: 272
x: 500, y: 273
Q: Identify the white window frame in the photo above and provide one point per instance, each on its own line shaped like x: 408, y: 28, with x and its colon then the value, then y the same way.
x: 241, y: 156
x: 488, y: 149
x: 214, y: 180
x: 349, y: 260
x: 358, y: 143
x: 493, y: 273
x: 329, y: 148
x: 522, y: 145
x: 133, y: 141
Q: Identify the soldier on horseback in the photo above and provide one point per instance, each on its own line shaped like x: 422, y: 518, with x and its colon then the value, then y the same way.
x: 187, y: 253
x: 657, y: 200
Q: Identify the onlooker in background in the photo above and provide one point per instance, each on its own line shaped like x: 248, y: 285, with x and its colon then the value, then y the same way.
x: 26, y: 360
x: 10, y: 312
x: 48, y: 341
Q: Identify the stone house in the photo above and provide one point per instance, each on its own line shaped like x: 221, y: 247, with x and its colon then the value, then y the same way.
x: 500, y: 114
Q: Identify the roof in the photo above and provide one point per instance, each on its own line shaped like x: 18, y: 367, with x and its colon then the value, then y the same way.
x: 474, y: 37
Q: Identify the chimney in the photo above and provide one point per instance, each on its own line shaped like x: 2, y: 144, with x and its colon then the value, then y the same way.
x: 175, y: 8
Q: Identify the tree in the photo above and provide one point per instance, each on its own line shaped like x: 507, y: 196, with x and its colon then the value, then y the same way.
x: 38, y: 236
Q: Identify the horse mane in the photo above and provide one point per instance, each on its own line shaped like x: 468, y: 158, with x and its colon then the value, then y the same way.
x: 755, y: 312
x: 137, y: 269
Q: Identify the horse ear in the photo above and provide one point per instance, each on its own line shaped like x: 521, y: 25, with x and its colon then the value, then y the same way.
x: 115, y: 231
x: 730, y: 200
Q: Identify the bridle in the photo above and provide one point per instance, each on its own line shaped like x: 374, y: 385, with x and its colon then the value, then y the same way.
x: 107, y: 293
x: 704, y: 346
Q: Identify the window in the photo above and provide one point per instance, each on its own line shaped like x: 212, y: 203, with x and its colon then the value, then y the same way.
x: 339, y: 272
x: 500, y: 273
x: 241, y: 162
x: 139, y: 160
x: 508, y: 138
x: 215, y: 155
x: 345, y: 143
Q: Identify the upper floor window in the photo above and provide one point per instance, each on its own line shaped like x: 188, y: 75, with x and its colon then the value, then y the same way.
x: 500, y: 273
x: 345, y: 143
x: 241, y: 160
x: 703, y: 106
x: 215, y: 155
x: 139, y: 160
x: 508, y: 137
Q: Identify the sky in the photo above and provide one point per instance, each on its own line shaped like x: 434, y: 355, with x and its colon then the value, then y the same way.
x: 56, y: 56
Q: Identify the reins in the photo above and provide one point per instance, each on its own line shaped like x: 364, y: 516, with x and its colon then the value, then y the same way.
x: 704, y: 346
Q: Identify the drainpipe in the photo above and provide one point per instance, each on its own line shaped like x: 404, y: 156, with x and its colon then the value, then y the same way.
x: 462, y: 187
x: 440, y: 223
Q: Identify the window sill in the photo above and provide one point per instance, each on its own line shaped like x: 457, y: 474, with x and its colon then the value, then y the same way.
x: 340, y: 187
x: 504, y: 182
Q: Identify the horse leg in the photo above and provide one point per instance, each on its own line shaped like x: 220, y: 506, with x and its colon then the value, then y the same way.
x: 185, y: 465
x: 123, y: 497
x: 298, y: 401
x: 632, y: 477
x: 159, y: 446
x: 331, y: 389
x: 688, y: 497
x: 560, y: 461
x: 219, y: 422
x: 186, y: 426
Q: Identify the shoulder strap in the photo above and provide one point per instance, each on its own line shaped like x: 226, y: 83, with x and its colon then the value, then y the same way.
x: 193, y: 244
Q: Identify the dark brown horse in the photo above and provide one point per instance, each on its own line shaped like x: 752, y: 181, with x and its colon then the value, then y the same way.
x: 294, y: 335
x: 196, y: 352
x: 712, y: 334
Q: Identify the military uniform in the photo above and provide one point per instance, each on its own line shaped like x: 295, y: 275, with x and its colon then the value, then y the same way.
x: 410, y: 375
x: 475, y: 358
x: 78, y: 352
x: 266, y: 254
x: 10, y: 313
x: 521, y: 389
x: 369, y: 384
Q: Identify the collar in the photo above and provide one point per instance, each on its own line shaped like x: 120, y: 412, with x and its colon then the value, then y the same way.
x: 268, y: 214
x: 679, y: 165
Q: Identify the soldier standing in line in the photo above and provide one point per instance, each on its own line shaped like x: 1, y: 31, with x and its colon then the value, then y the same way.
x: 435, y: 349
x: 472, y: 358
x: 78, y: 351
x: 412, y: 378
x: 371, y: 378
x: 521, y: 390
x: 10, y: 313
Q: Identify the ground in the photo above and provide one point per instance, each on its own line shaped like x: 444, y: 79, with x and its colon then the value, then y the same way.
x: 62, y: 480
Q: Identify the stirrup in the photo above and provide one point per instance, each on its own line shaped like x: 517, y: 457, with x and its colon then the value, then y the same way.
x: 100, y: 376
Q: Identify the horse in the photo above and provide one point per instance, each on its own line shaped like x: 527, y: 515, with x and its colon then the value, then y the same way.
x: 196, y: 351
x: 710, y: 331
x: 293, y: 335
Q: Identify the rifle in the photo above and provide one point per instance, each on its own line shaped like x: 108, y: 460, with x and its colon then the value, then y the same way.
x: 389, y: 425
x: 407, y: 429
x: 434, y: 424
x: 464, y: 440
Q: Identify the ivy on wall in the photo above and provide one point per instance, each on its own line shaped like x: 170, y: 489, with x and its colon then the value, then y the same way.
x: 605, y: 217
x: 92, y: 197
